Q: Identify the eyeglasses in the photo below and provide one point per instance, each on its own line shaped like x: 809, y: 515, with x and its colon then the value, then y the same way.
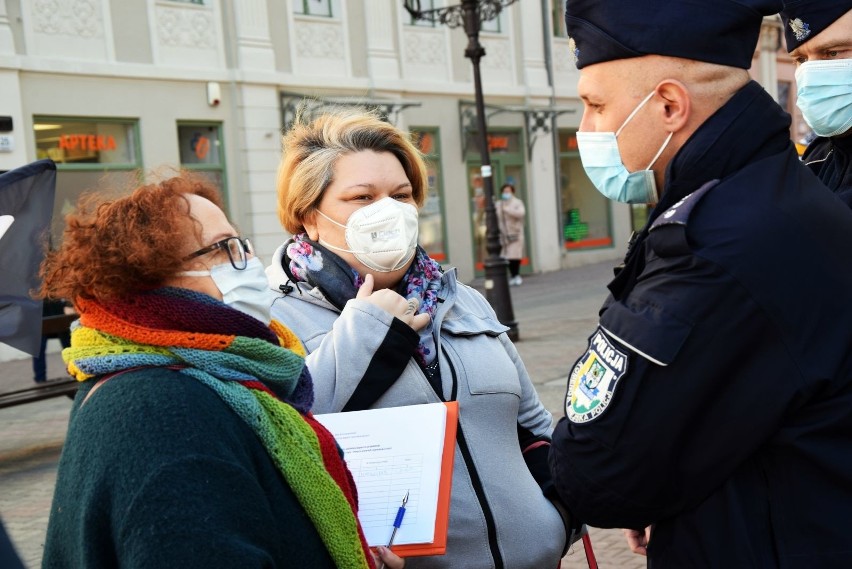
x: 238, y: 251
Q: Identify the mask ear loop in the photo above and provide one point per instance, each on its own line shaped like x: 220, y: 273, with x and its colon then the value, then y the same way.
x: 660, y: 151
x: 633, y: 114
x: 331, y: 220
x: 329, y: 245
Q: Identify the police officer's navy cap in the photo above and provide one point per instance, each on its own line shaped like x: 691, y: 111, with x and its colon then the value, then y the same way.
x: 715, y: 31
x: 804, y: 19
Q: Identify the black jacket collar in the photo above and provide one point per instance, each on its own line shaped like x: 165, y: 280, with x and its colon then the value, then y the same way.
x: 750, y: 126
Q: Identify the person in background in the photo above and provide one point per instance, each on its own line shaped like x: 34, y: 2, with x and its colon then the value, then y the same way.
x: 713, y: 401
x: 510, y: 219
x: 190, y: 442
x: 384, y: 326
x: 819, y: 38
x: 50, y: 308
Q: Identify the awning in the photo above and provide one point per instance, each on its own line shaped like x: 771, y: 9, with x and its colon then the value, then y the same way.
x: 295, y: 105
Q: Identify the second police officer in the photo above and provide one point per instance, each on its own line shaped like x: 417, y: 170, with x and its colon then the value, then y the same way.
x: 819, y: 38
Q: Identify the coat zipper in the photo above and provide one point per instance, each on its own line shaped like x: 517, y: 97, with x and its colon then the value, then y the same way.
x: 490, y: 526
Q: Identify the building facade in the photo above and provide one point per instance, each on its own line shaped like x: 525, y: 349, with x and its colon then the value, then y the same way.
x: 108, y: 87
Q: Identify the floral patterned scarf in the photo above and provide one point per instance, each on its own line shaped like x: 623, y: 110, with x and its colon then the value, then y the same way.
x: 308, y: 261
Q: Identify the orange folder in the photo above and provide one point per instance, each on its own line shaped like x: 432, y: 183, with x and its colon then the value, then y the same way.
x: 442, y: 518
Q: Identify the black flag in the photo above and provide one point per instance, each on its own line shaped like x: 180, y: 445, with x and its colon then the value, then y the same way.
x: 26, y: 207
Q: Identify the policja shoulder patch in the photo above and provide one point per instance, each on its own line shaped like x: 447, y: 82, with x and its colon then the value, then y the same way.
x: 593, y: 379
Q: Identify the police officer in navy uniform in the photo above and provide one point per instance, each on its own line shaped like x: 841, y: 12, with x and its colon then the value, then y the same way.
x: 819, y: 39
x: 714, y: 401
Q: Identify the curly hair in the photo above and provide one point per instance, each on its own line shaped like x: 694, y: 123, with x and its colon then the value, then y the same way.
x: 311, y: 149
x: 113, y: 248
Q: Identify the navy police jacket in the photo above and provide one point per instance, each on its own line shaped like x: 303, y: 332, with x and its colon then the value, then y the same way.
x: 715, y: 398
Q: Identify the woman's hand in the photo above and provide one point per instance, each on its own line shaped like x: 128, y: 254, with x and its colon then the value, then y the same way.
x: 638, y: 539
x: 385, y: 556
x: 393, y: 303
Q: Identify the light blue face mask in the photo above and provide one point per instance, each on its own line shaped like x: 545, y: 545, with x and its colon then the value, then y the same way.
x: 247, y: 290
x: 602, y: 162
x: 824, y: 95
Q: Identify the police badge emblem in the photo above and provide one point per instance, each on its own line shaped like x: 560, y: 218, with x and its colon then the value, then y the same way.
x: 573, y: 50
x: 593, y: 379
x: 800, y: 29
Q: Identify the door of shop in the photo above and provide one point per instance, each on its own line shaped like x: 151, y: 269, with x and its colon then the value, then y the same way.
x: 507, y: 164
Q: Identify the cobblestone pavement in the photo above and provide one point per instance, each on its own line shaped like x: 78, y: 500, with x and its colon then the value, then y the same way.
x: 555, y: 313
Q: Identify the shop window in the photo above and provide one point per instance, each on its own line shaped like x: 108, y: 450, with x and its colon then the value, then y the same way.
x: 313, y: 8
x: 506, y: 154
x: 90, y: 154
x: 432, y: 230
x: 585, y: 211
x: 201, y: 151
x: 85, y: 142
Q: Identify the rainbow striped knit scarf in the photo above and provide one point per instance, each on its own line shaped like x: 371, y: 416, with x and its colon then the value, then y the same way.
x: 238, y: 357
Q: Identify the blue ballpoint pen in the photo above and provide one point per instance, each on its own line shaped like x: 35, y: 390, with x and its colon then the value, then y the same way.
x: 397, y: 522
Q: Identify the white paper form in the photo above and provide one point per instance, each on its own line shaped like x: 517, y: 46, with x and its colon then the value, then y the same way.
x: 390, y: 452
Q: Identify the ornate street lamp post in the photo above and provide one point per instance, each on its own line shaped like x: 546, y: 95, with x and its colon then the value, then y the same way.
x: 470, y: 14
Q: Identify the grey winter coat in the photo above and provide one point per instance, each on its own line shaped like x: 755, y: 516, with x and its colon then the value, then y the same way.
x: 362, y: 357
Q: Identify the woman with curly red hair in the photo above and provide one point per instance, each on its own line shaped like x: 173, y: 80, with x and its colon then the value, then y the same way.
x: 190, y: 442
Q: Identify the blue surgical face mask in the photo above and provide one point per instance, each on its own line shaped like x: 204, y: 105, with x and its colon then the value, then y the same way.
x: 246, y: 290
x: 602, y: 162
x: 824, y: 95
x: 506, y: 195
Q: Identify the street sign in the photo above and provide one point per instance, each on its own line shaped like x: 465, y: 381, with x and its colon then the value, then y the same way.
x: 7, y: 143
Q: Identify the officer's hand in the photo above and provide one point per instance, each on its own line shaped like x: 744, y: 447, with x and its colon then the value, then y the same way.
x: 395, y: 304
x: 638, y: 539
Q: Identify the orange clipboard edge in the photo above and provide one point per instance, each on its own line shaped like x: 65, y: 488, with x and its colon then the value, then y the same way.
x: 442, y: 519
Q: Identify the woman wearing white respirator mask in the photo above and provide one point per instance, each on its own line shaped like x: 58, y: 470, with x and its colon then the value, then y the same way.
x: 384, y: 326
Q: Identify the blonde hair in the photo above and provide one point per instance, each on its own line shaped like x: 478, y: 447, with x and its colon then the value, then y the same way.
x: 311, y: 149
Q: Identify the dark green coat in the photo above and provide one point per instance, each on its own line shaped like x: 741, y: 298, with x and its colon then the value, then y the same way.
x: 157, y: 471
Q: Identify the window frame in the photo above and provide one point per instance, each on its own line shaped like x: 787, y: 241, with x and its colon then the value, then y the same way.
x: 558, y: 27
x: 306, y: 9
x: 430, y: 5
x: 220, y: 168
x: 498, y: 21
